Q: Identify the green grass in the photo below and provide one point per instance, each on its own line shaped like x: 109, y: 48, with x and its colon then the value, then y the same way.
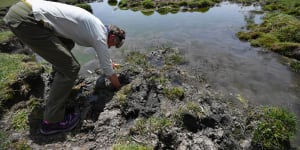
x: 174, y: 93
x: 295, y: 66
x: 121, y: 95
x: 13, y: 66
x: 4, y: 142
x: 279, y: 32
x: 131, y: 146
x: 275, y: 128
x: 175, y: 59
x: 153, y: 124
x: 5, y: 36
x: 20, y: 120
x: 192, y: 108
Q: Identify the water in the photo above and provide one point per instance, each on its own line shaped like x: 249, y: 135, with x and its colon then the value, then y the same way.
x: 209, y: 43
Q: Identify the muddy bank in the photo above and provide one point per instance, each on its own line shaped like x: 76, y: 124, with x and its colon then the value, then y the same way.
x: 160, y: 106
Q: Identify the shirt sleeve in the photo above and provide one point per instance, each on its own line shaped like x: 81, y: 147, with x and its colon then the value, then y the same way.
x: 104, y: 58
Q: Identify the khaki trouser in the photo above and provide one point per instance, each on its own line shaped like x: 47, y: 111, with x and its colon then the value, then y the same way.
x: 54, y: 49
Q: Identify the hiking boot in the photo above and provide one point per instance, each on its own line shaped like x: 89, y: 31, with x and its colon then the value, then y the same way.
x: 70, y: 121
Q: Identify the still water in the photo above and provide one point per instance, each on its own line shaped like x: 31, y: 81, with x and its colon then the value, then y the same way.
x: 209, y: 43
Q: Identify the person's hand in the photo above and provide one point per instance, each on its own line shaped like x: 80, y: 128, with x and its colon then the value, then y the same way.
x: 115, y: 81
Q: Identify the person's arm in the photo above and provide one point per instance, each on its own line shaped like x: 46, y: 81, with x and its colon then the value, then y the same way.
x: 106, y: 64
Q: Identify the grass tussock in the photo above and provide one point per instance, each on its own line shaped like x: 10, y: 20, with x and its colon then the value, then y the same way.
x: 5, y: 36
x: 12, y: 68
x: 275, y: 128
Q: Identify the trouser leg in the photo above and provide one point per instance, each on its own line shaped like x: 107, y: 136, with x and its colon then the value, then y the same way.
x: 44, y: 42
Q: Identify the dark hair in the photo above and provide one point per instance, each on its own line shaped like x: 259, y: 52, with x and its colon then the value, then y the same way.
x: 119, y: 33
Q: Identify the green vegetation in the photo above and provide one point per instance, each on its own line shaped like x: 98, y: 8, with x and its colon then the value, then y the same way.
x: 131, y: 146
x: 112, y: 2
x: 147, y: 12
x: 174, y: 93
x: 5, y: 36
x: 189, y: 108
x: 4, y: 142
x: 136, y: 58
x: 295, y: 65
x: 275, y: 128
x: 164, y: 7
x: 12, y: 68
x: 144, y: 126
x: 21, y: 145
x: 280, y: 31
x: 122, y: 94
x: 148, y: 4
x: 174, y: 59
x: 20, y: 120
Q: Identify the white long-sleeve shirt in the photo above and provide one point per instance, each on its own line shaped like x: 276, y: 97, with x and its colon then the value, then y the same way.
x: 77, y: 24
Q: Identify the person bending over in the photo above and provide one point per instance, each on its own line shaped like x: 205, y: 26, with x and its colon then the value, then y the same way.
x: 50, y: 29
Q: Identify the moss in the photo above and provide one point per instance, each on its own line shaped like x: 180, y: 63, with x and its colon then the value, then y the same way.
x: 85, y: 6
x: 275, y: 128
x: 5, y: 36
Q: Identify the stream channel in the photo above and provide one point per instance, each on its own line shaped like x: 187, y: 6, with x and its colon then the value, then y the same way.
x: 208, y: 42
